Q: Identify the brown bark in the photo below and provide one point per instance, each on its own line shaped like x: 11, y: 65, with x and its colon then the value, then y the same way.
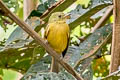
x: 115, y: 58
x: 29, y: 5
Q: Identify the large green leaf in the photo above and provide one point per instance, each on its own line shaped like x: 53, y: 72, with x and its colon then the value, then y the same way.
x: 81, y: 14
x: 39, y: 71
x: 19, y: 57
x: 19, y: 35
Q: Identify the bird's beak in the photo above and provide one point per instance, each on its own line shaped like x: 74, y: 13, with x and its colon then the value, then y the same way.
x: 67, y: 16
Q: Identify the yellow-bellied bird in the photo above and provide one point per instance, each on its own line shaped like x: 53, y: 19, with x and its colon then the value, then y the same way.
x: 57, y: 35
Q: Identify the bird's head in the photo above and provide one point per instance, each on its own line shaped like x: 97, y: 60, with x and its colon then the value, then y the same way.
x: 58, y: 16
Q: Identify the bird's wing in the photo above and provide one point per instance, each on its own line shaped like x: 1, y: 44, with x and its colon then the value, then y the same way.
x: 64, y: 52
x: 46, y: 31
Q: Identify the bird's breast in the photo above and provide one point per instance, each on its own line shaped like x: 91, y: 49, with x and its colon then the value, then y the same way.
x: 58, y: 36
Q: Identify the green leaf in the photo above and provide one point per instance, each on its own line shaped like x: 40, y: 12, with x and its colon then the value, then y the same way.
x: 20, y: 35
x: 16, y: 35
x: 41, y: 8
x: 81, y: 14
x: 40, y: 71
x: 40, y: 66
x: 12, y: 4
x: 38, y: 53
x: 84, y: 14
x: 51, y: 2
x: 18, y: 59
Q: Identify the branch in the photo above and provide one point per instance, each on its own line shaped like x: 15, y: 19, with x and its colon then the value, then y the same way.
x: 103, y: 19
x: 93, y: 51
x: 36, y: 37
x: 115, y: 55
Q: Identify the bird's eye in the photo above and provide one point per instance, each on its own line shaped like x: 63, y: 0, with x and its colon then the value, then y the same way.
x: 59, y: 16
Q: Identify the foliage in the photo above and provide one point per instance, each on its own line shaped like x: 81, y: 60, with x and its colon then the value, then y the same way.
x: 42, y: 7
x: 21, y: 53
x: 13, y: 5
x: 82, y: 49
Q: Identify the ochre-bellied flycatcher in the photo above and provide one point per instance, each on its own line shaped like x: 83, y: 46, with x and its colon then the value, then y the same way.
x: 57, y: 35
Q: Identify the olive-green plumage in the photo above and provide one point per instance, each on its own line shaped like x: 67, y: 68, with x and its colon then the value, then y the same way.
x: 57, y: 35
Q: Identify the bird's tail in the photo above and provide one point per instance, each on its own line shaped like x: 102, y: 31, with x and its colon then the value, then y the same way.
x: 55, y: 65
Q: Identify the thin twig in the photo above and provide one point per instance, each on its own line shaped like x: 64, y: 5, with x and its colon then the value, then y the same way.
x: 103, y: 19
x: 36, y: 37
x: 81, y: 38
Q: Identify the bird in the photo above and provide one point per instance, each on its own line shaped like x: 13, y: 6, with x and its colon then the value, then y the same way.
x: 57, y: 36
